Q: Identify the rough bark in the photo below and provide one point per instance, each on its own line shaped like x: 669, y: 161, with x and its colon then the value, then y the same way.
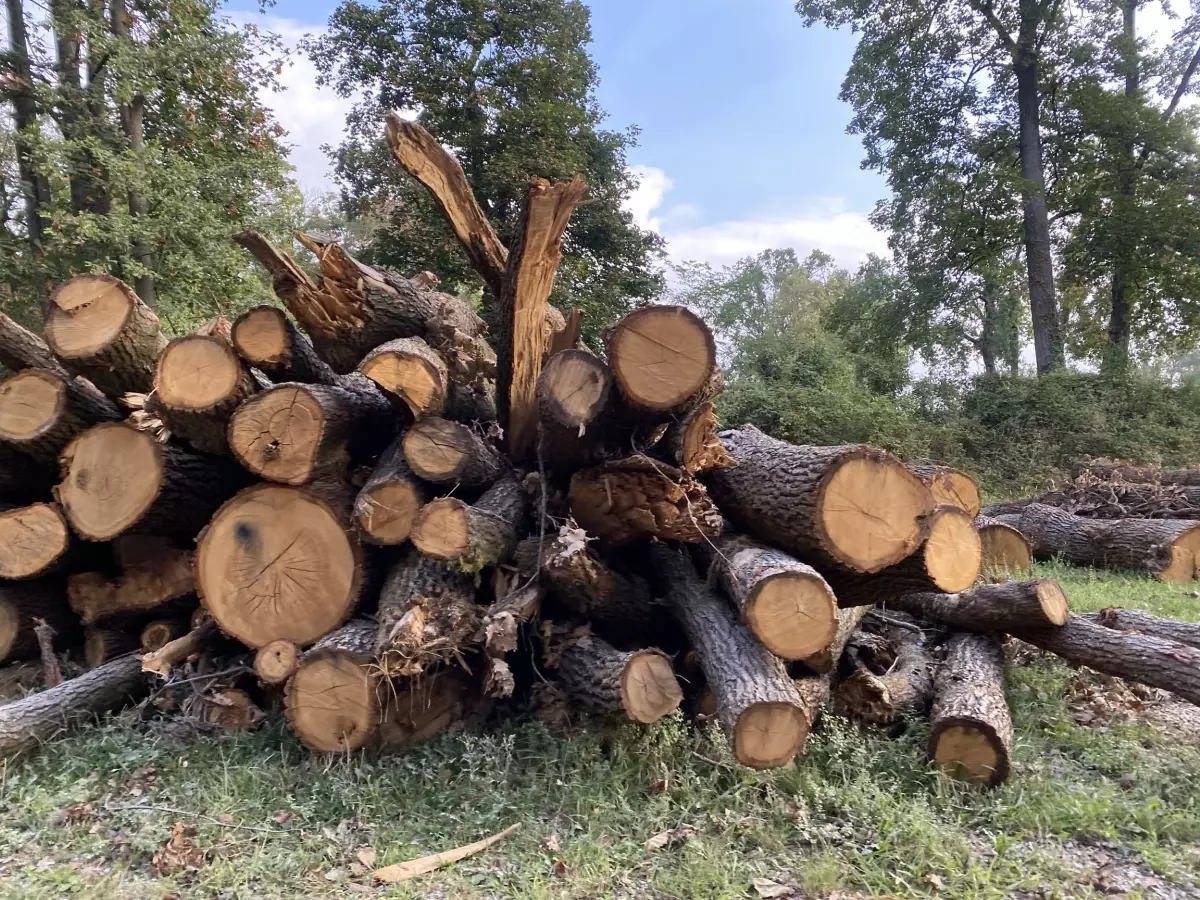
x: 42, y: 411
x: 23, y: 602
x: 970, y: 735
x: 1005, y: 549
x: 472, y: 537
x: 639, y: 685
x: 33, y: 540
x: 904, y: 691
x: 444, y: 452
x: 267, y: 340
x: 332, y: 701
x: 411, y: 371
x: 390, y: 499
x: 849, y: 507
x: 144, y: 587
x: 950, y: 487
x: 1144, y: 623
x: 200, y: 381
x: 662, y: 357
x: 1003, y: 607
x: 21, y: 349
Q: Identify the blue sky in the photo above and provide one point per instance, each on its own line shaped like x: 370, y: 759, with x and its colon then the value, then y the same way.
x: 743, y: 142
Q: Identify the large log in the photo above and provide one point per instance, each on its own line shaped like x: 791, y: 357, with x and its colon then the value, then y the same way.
x: 21, y: 349
x: 118, y: 479
x: 573, y: 392
x: 24, y: 724
x: 950, y: 487
x: 1164, y: 549
x: 294, y: 433
x: 98, y: 328
x: 22, y: 603
x: 904, y: 691
x: 472, y: 537
x: 388, y: 502
x: 1005, y: 549
x: 1147, y: 659
x: 970, y: 735
x: 41, y: 411
x: 278, y: 562
x: 266, y: 339
x: 412, y: 372
x: 662, y: 357
x: 756, y: 703
x: 1143, y: 623
x: 33, y: 540
x: 332, y: 701
x: 444, y: 452
x: 849, y: 507
x: 147, y: 586
x: 1040, y: 603
x: 639, y: 685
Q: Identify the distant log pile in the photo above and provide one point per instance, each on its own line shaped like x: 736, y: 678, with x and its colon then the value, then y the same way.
x: 381, y: 521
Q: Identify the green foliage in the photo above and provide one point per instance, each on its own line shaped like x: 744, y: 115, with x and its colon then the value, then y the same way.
x: 509, y: 85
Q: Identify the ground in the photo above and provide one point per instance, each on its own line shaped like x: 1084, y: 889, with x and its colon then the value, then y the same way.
x: 1104, y: 800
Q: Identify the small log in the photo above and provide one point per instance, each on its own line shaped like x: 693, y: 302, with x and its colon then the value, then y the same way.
x: 278, y: 563
x: 1143, y: 623
x: 98, y: 328
x: 417, y: 709
x: 472, y: 537
x: 970, y: 734
x: 662, y: 357
x: 294, y: 433
x: 157, y: 633
x: 332, y: 701
x: 389, y: 501
x: 572, y: 392
x: 756, y: 702
x: 637, y: 498
x: 639, y: 685
x: 847, y: 507
x: 950, y: 487
x: 786, y: 604
x: 692, y: 443
x: 165, y: 658
x: 444, y: 452
x: 1144, y: 658
x: 1040, y: 603
x: 200, y: 381
x: 276, y: 662
x: 102, y: 644
x: 146, y: 586
x: 412, y: 372
x: 267, y: 340
x: 21, y: 349
x: 1005, y: 549
x: 33, y: 540
x: 42, y: 411
x: 24, y: 724
x: 21, y: 605
x: 118, y: 479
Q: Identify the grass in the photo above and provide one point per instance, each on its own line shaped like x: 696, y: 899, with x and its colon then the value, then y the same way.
x: 1088, y: 807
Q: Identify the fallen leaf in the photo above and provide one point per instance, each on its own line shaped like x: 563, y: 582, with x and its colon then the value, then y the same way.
x: 550, y: 844
x: 366, y: 856
x: 424, y: 864
x: 226, y: 818
x: 336, y: 875
x: 765, y: 887
x: 934, y: 881
x: 179, y: 854
x: 283, y: 816
x: 560, y: 867
x: 674, y: 836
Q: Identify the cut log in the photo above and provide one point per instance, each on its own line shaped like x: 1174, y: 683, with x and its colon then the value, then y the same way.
x: 294, y: 433
x: 573, y: 390
x: 21, y: 349
x: 388, y: 502
x: 1040, y: 603
x: 332, y: 701
x: 266, y: 339
x: 417, y: 709
x: 200, y: 381
x: 427, y: 614
x: 1005, y: 549
x: 661, y: 357
x: 24, y: 724
x: 1144, y: 658
x: 637, y: 498
x: 33, y: 539
x: 118, y: 479
x: 23, y: 602
x: 785, y: 603
x: 102, y: 644
x: 42, y: 411
x: 851, y: 507
x: 228, y: 709
x: 472, y: 537
x: 692, y: 443
x: 970, y: 735
x: 903, y: 692
x: 98, y: 328
x: 948, y: 561
x: 158, y: 633
x: 950, y: 487
x: 144, y: 587
x: 444, y: 452
x: 756, y: 702
x: 1165, y: 549
x: 276, y: 662
x: 1144, y: 623
x: 412, y: 372
x: 278, y: 563
x: 639, y: 685
x: 172, y: 654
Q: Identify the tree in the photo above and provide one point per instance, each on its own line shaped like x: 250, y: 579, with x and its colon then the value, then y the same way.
x: 510, y: 87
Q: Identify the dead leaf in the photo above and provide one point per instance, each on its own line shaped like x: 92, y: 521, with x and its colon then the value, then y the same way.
x: 74, y: 814
x: 765, y: 887
x: 179, y: 854
x: 424, y: 864
x: 550, y: 844
x: 226, y: 818
x: 366, y: 856
x: 560, y: 867
x: 337, y: 875
x: 674, y: 836
x: 283, y: 816
x: 934, y: 881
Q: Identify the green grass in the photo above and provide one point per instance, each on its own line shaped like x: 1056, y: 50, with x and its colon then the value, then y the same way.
x: 860, y: 812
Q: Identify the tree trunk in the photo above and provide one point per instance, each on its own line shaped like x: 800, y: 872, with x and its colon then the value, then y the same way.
x: 23, y: 602
x: 473, y: 537
x: 662, y: 357
x: 756, y: 702
x: 278, y: 563
x: 21, y: 349
x: 573, y: 392
x: 332, y: 702
x: 1144, y: 623
x: 266, y: 339
x: 639, y: 685
x: 904, y: 691
x: 24, y: 724
x: 34, y: 186
x: 848, y: 507
x: 42, y: 411
x: 950, y: 487
x: 389, y: 501
x: 33, y: 540
x: 411, y: 371
x: 1005, y: 550
x: 970, y: 735
x: 147, y: 586
x: 444, y: 452
x: 991, y: 607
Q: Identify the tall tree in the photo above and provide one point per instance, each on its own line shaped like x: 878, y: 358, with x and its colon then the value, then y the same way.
x: 509, y: 85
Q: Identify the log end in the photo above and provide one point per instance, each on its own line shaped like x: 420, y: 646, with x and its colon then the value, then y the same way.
x: 262, y: 336
x: 407, y: 369
x: 1054, y: 601
x: 1185, y: 558
x: 769, y: 735
x: 196, y: 372
x: 276, y: 661
x: 953, y: 552
x: 437, y: 449
x: 30, y: 404
x: 1004, y: 550
x: 277, y: 434
x: 386, y: 511
x: 950, y: 487
x: 793, y: 614
x: 442, y: 529
x: 112, y: 474
x: 32, y: 539
x: 332, y: 702
x: 968, y: 750
x: 573, y: 388
x: 86, y: 314
x: 649, y: 688
x: 661, y: 356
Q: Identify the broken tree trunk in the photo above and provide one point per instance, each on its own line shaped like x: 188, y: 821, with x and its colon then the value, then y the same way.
x: 42, y: 411
x: 639, y: 685
x: 662, y: 357
x: 517, y: 602
x: 293, y: 433
x: 950, y: 487
x: 472, y: 537
x: 412, y: 372
x: 277, y: 661
x: 388, y: 502
x: 98, y: 328
x: 142, y: 588
x: 21, y: 349
x: 24, y: 602
x: 33, y: 540
x: 970, y: 735
x: 852, y: 507
x: 26, y: 723
x: 756, y: 702
x: 266, y: 339
x: 1002, y: 607
x: 278, y: 562
x: 444, y: 452
x: 118, y: 479
x: 1147, y: 659
x: 1005, y: 550
x: 692, y: 443
x: 1144, y: 623
x: 904, y: 691
x: 332, y: 701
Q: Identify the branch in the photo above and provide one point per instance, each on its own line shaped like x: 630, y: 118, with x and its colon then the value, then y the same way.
x: 985, y: 10
x: 1184, y: 83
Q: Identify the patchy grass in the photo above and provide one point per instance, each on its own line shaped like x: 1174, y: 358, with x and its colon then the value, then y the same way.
x: 1109, y: 807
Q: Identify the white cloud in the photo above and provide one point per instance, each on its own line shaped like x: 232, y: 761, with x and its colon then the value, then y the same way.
x: 653, y: 185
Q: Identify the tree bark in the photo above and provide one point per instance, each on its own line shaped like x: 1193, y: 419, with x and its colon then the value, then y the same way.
x: 42, y: 411
x: 1003, y: 607
x: 970, y: 735
x: 389, y: 501
x: 904, y: 691
x: 472, y: 537
x: 332, y: 701
x: 638, y: 685
x: 1144, y: 623
x: 21, y: 349
x: 34, y: 540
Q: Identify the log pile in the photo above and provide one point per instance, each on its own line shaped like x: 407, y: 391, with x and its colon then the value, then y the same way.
x: 364, y: 512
